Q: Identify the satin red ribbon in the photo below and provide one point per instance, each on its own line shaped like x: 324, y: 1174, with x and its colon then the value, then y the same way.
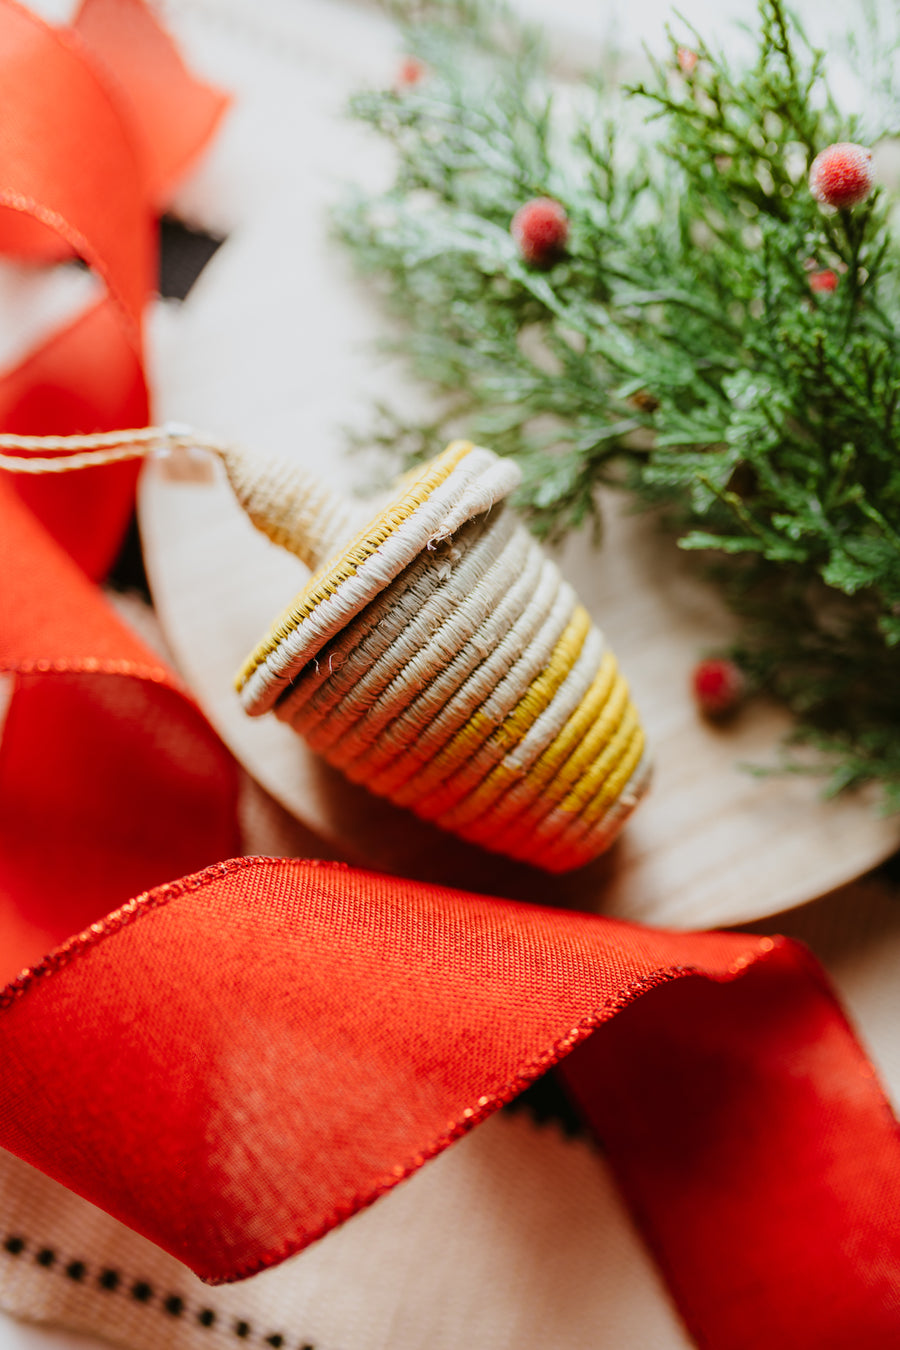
x: 234, y: 1062
x: 99, y: 122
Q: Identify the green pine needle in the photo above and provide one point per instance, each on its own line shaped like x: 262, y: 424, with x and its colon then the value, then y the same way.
x: 677, y: 347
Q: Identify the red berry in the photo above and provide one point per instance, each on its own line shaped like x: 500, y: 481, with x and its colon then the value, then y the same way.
x: 411, y: 72
x: 541, y: 229
x: 825, y: 281
x: 841, y: 174
x: 718, y: 686
x: 687, y: 60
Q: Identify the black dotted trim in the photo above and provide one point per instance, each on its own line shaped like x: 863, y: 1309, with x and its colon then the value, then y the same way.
x: 141, y: 1291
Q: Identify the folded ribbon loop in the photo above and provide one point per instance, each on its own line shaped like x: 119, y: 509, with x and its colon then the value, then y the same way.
x: 99, y: 121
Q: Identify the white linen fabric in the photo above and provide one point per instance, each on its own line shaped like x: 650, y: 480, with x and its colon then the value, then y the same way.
x: 514, y: 1239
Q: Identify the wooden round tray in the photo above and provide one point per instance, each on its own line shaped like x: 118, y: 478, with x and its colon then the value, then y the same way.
x: 274, y: 347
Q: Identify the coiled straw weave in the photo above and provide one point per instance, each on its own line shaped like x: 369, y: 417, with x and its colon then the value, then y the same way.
x: 442, y: 661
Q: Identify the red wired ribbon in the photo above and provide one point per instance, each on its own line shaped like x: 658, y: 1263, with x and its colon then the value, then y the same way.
x: 235, y: 1062
x: 99, y: 121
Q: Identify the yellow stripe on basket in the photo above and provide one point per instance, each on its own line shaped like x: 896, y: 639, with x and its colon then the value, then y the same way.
x: 542, y: 690
x: 507, y: 773
x: 600, y: 784
x: 571, y: 734
x: 579, y: 841
x: 478, y: 729
x: 613, y: 790
x: 330, y: 578
x: 618, y: 781
x: 525, y: 787
x: 599, y: 735
x: 539, y: 833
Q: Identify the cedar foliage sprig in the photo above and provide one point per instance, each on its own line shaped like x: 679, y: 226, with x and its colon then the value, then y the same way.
x: 677, y: 347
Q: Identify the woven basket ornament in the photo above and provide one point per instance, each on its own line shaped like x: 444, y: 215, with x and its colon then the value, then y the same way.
x: 438, y: 658
x: 441, y: 660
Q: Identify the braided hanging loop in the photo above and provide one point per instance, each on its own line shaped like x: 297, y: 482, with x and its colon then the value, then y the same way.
x: 292, y: 507
x: 441, y: 660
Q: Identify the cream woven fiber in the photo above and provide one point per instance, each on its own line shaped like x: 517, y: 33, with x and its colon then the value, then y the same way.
x: 442, y: 661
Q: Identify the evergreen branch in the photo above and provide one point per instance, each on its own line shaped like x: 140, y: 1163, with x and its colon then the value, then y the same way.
x: 677, y: 345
